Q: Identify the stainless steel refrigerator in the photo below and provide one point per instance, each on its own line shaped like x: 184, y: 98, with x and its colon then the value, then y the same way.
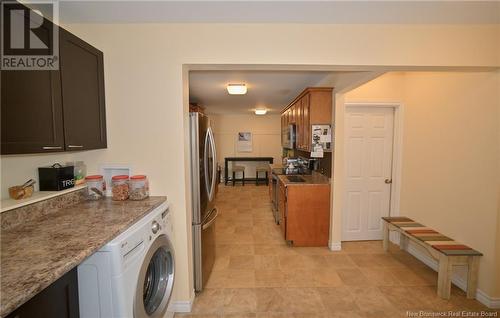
x: 204, y: 191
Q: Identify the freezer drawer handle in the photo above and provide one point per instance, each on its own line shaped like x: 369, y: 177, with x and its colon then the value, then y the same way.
x: 213, y: 215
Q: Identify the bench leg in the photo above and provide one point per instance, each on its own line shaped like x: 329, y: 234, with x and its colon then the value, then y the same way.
x: 444, y: 277
x: 472, y: 272
x: 403, y: 241
x: 385, y: 242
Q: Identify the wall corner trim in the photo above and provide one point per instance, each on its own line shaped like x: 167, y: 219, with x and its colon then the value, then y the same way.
x: 335, y: 246
x: 181, y: 305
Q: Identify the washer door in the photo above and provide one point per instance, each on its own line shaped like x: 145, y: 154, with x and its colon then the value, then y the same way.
x: 156, y: 280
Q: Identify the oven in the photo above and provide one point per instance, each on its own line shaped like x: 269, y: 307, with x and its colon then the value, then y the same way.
x: 275, y: 197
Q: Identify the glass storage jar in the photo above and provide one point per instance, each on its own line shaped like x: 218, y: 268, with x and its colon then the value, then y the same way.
x: 80, y: 172
x: 139, y: 187
x: 119, y: 187
x: 96, y: 187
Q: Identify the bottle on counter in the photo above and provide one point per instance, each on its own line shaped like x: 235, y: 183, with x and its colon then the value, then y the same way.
x: 138, y: 187
x: 96, y: 187
x: 80, y: 171
x: 120, y: 187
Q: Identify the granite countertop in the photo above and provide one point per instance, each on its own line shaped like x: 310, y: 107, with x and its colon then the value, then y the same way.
x: 38, y: 252
x: 312, y: 179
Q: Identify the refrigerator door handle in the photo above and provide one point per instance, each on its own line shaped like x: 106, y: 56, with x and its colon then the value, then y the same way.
x: 214, y: 163
x: 211, y: 219
x: 205, y: 164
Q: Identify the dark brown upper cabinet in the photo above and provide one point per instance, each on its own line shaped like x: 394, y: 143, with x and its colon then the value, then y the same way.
x: 50, y: 111
x: 82, y: 82
x: 31, y: 108
x: 32, y: 115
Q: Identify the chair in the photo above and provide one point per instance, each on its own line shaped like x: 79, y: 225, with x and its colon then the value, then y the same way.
x: 261, y: 169
x: 238, y: 169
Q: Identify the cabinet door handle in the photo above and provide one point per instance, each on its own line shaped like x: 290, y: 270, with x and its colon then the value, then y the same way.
x: 75, y: 146
x: 51, y: 147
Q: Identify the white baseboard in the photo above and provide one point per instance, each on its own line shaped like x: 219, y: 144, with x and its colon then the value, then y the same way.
x: 169, y: 314
x: 335, y: 246
x: 459, y: 280
x: 181, y: 305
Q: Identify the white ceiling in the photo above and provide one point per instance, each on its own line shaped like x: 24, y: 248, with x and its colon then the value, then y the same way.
x: 282, y: 11
x: 272, y: 90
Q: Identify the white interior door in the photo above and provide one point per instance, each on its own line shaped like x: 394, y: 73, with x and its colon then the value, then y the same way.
x: 369, y: 144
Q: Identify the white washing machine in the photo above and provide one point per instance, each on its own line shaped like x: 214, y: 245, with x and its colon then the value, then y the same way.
x: 133, y: 275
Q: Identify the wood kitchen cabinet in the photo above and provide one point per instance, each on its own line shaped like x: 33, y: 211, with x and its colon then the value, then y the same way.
x: 32, y: 114
x: 59, y: 300
x: 82, y: 78
x: 312, y: 106
x: 49, y: 111
x: 305, y: 213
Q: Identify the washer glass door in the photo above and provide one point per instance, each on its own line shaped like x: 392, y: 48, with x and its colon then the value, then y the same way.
x: 156, y: 277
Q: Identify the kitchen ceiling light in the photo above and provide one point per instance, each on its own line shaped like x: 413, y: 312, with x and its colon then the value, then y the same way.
x: 237, y: 89
x: 260, y: 111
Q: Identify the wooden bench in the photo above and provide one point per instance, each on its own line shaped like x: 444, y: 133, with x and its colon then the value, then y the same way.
x: 442, y: 248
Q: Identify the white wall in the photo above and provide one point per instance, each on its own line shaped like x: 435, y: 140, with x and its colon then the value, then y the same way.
x: 265, y: 133
x: 146, y: 85
x: 450, y: 172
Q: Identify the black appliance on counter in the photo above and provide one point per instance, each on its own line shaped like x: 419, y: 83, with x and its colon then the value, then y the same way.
x: 56, y: 177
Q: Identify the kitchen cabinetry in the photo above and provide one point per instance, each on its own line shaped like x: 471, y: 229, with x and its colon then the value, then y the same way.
x: 82, y: 79
x: 48, y: 111
x: 312, y: 106
x: 59, y: 300
x: 32, y: 115
x: 305, y: 213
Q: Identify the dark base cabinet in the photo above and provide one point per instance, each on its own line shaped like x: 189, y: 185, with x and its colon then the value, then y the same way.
x: 59, y: 300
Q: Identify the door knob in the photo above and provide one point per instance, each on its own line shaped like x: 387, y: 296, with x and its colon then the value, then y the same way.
x: 388, y: 181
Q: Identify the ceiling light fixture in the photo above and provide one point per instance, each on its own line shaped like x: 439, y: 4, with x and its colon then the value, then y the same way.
x: 260, y: 111
x: 237, y: 89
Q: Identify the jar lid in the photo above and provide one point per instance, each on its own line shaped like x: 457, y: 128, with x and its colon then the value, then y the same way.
x: 138, y: 177
x: 120, y: 177
x: 94, y: 177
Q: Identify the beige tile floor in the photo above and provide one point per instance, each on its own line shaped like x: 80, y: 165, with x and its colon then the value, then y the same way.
x: 257, y: 275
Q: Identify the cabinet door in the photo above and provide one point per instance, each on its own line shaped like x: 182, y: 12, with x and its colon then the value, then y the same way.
x: 302, y: 126
x: 31, y: 108
x: 31, y: 112
x: 298, y: 123
x: 293, y: 111
x: 82, y: 74
x: 306, y: 122
x: 59, y: 300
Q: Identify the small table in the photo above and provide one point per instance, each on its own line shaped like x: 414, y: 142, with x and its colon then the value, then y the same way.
x: 227, y: 159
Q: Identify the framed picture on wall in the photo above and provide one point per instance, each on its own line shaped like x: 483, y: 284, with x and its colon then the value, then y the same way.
x: 244, y: 142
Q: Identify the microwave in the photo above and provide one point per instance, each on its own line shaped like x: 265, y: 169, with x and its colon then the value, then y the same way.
x: 288, y: 137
